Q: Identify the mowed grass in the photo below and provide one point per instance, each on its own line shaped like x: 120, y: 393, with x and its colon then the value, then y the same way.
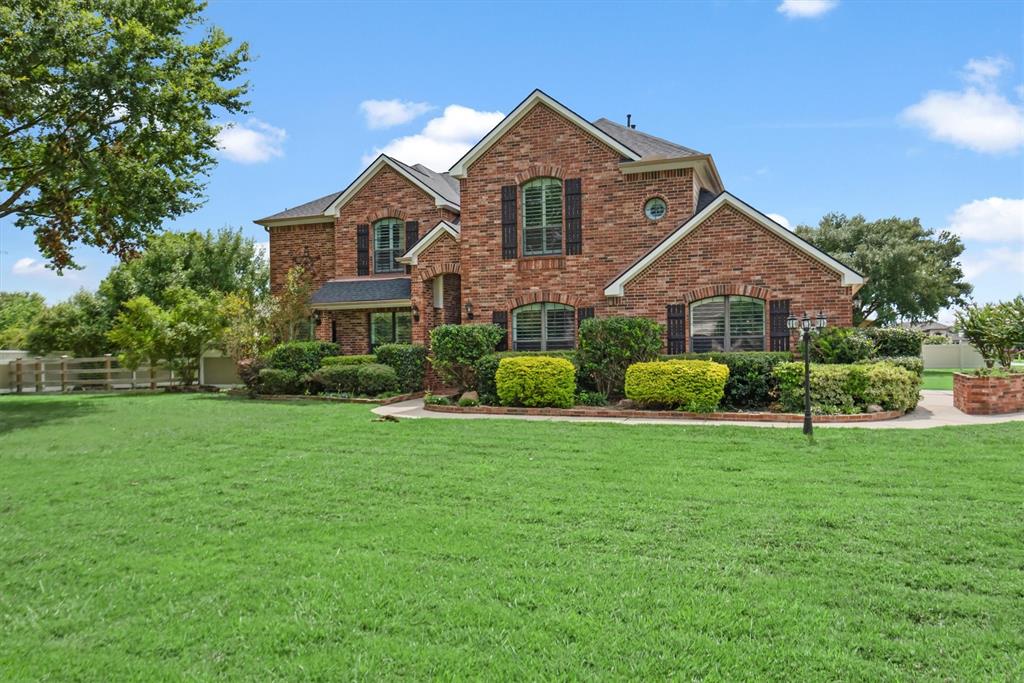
x: 169, y: 536
x: 939, y: 378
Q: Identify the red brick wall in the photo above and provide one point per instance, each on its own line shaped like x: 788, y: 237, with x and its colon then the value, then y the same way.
x: 615, y: 230
x: 352, y: 328
x: 310, y: 246
x: 441, y: 259
x: 731, y: 254
x: 988, y: 395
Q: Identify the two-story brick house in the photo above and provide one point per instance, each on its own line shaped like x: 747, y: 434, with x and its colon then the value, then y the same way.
x: 546, y: 221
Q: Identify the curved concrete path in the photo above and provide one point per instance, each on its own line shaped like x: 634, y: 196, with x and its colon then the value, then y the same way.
x: 935, y: 410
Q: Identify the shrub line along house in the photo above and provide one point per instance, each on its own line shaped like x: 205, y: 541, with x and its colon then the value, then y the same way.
x: 548, y: 220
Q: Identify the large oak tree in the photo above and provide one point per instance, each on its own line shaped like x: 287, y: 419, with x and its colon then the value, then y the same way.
x: 107, y: 117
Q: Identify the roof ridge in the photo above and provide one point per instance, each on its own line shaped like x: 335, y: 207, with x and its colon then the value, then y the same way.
x: 634, y: 131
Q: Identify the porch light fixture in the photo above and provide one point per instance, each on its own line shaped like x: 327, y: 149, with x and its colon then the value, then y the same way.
x: 469, y: 310
x: 806, y: 325
x: 415, y: 313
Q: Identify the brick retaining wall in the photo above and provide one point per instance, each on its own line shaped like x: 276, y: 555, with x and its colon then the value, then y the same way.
x: 988, y: 395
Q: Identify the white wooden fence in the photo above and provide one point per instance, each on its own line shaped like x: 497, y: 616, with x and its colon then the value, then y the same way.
x: 103, y: 373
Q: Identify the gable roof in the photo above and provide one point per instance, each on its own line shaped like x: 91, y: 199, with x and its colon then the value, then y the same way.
x: 648, y: 146
x: 443, y: 228
x: 617, y: 286
x: 522, y: 109
x: 312, y: 209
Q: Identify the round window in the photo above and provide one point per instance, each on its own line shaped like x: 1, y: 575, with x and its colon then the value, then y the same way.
x: 655, y: 208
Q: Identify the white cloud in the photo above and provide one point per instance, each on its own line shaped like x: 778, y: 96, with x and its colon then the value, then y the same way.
x: 388, y: 113
x: 253, y: 142
x: 806, y: 9
x: 990, y: 220
x: 443, y: 140
x: 1005, y: 260
x: 978, y: 117
x: 780, y: 219
x: 29, y: 266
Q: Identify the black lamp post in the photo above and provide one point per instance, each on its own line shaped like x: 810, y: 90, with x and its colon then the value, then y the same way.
x: 806, y: 325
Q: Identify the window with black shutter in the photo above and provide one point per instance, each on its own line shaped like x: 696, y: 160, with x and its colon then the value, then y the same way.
x: 778, y: 311
x: 363, y: 249
x: 582, y: 314
x: 573, y: 216
x: 676, y: 328
x: 500, y: 318
x: 508, y: 221
x: 412, y: 234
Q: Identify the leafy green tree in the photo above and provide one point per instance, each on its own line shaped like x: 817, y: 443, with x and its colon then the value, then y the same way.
x: 193, y: 324
x: 138, y: 330
x: 995, y: 330
x: 246, y: 332
x: 291, y: 311
x: 224, y: 261
x: 17, y: 309
x: 912, y: 272
x: 77, y: 326
x: 107, y: 117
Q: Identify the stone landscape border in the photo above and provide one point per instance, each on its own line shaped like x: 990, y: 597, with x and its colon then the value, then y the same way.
x: 663, y: 414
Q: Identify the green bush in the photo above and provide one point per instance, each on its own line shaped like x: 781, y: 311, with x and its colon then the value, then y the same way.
x: 300, y: 357
x: 751, y: 383
x: 936, y: 340
x: 363, y: 359
x: 375, y: 378
x: 409, y: 362
x: 432, y: 400
x: 693, y: 385
x: 895, y: 341
x: 841, y: 345
x: 338, y: 378
x: 277, y: 381
x: 467, y: 402
x: 536, y: 381
x: 487, y: 367
x: 913, y: 363
x: 607, y: 346
x: 845, y: 389
x: 455, y: 349
x: 591, y: 398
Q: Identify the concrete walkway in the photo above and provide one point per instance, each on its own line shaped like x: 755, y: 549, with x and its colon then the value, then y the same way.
x: 935, y: 410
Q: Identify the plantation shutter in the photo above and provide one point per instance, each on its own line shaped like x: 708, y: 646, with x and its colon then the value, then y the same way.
x: 500, y: 318
x: 582, y: 314
x: 778, y: 311
x: 676, y: 328
x: 573, y: 216
x: 363, y: 249
x: 508, y: 221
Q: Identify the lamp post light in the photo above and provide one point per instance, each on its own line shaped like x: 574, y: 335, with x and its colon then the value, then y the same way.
x: 806, y: 325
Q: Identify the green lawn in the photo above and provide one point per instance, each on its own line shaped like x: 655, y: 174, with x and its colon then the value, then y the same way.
x: 939, y: 378
x: 169, y: 536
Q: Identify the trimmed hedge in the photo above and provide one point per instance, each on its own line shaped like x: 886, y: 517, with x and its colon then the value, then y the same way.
x: 536, y: 381
x: 455, y: 349
x: 751, y: 383
x: 278, y: 381
x: 409, y: 362
x: 895, y: 341
x: 300, y: 357
x: 913, y: 363
x: 376, y: 378
x: 338, y: 378
x: 841, y: 345
x: 848, y: 389
x: 363, y: 359
x: 487, y: 368
x: 693, y: 385
x: 368, y: 379
x: 607, y: 346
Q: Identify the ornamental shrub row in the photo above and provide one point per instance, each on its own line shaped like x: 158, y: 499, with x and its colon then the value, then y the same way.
x: 693, y: 385
x: 751, y: 383
x: 301, y: 357
x: 536, y: 381
x: 847, y: 389
x: 895, y: 341
x: 368, y: 379
x: 301, y: 367
x: 487, y: 367
x: 913, y: 363
x: 348, y: 360
x: 409, y: 362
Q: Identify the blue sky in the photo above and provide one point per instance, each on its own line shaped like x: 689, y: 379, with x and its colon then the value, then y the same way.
x: 908, y: 109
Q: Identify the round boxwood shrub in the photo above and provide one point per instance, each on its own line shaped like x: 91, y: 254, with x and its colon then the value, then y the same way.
x: 693, y: 385
x: 536, y: 381
x: 338, y: 378
x: 607, y: 346
x: 751, y: 383
x: 375, y: 378
x: 487, y: 368
x: 409, y: 362
x: 277, y: 381
x: 300, y: 357
x: 363, y: 359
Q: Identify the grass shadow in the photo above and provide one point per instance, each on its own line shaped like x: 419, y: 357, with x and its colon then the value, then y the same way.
x: 27, y: 413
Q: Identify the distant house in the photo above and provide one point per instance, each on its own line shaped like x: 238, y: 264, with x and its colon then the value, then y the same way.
x: 548, y: 220
x: 935, y: 328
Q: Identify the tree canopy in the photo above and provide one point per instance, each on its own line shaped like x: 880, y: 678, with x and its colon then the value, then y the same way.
x: 107, y: 118
x: 17, y: 310
x: 77, y: 326
x: 912, y: 272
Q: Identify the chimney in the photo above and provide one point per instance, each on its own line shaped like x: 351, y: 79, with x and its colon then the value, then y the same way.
x: 629, y: 117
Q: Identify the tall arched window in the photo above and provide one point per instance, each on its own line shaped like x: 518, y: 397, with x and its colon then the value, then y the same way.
x: 388, y: 244
x: 543, y: 327
x: 542, y: 217
x: 727, y: 323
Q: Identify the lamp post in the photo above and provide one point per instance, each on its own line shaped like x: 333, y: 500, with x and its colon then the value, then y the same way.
x: 806, y: 325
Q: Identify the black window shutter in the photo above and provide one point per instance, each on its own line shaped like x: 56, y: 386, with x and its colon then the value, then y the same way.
x: 573, y: 216
x: 363, y: 249
x: 334, y: 331
x: 500, y: 318
x: 412, y: 234
x: 778, y: 311
x: 508, y: 221
x: 582, y: 314
x: 676, y: 328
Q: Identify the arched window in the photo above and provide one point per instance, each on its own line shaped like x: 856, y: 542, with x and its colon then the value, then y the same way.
x: 543, y: 327
x: 388, y: 244
x: 727, y: 323
x: 542, y: 217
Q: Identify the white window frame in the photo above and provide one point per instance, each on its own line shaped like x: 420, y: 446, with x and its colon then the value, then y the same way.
x: 547, y: 227
x: 394, y: 250
x: 544, y: 306
x: 727, y: 332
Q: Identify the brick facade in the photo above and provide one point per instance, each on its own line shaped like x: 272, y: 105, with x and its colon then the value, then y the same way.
x: 310, y: 246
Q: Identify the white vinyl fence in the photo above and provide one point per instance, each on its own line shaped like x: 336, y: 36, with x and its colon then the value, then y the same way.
x: 963, y: 356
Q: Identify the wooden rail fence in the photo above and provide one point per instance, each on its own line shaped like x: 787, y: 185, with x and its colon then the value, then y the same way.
x: 68, y: 374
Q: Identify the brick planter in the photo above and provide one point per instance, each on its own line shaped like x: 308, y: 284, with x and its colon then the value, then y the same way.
x: 988, y: 395
x: 581, y: 411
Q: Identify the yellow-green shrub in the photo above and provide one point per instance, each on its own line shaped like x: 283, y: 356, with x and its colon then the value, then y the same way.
x: 536, y: 381
x: 694, y: 385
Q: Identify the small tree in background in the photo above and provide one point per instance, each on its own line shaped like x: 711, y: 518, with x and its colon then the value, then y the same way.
x: 995, y: 330
x: 138, y: 329
x: 194, y: 323
x: 17, y: 310
x: 291, y: 307
x: 77, y: 326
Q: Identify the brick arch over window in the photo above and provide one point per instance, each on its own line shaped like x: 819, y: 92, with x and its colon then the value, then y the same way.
x: 537, y: 171
x: 754, y: 291
x: 537, y: 297
x: 448, y: 268
x: 386, y: 212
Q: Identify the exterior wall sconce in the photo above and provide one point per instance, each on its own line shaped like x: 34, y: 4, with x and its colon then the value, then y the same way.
x: 415, y: 313
x: 469, y: 310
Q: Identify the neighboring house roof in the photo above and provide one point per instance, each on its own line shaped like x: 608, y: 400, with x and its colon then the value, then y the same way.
x: 648, y: 146
x: 443, y: 228
x: 617, y: 286
x: 358, y: 293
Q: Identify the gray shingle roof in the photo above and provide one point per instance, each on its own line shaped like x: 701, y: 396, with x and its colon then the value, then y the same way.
x: 705, y: 197
x: 364, y: 289
x: 647, y: 146
x: 314, y: 208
